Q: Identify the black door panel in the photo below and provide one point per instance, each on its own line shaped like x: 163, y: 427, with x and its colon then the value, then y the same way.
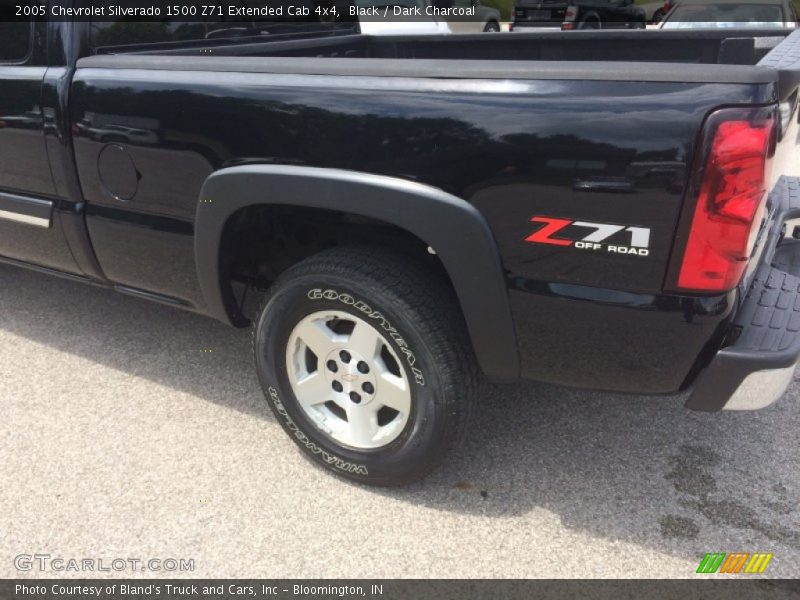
x: 29, y: 229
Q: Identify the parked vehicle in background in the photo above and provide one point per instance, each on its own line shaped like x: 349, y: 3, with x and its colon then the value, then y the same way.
x: 577, y: 14
x: 716, y: 14
x: 662, y: 12
x: 397, y: 21
x: 486, y: 18
x: 654, y: 12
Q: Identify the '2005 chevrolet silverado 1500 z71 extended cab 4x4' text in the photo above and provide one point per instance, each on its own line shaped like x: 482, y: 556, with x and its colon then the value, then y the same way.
x: 606, y: 210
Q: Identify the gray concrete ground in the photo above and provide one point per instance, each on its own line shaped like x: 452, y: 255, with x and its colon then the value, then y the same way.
x: 121, y: 435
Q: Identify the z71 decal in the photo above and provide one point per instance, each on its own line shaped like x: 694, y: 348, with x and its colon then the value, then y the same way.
x: 574, y: 233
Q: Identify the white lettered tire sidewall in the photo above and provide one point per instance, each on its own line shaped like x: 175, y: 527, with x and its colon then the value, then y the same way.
x: 420, y: 445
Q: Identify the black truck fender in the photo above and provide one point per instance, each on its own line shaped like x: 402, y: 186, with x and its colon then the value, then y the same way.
x: 451, y: 226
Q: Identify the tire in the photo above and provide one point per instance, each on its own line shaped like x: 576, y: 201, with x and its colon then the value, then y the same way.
x: 591, y: 21
x: 658, y: 15
x: 404, y: 344
x: 492, y: 27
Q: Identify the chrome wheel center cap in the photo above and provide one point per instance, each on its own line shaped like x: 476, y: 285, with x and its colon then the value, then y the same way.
x: 348, y: 379
x: 355, y: 375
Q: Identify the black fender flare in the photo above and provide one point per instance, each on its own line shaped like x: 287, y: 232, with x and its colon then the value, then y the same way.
x: 451, y: 226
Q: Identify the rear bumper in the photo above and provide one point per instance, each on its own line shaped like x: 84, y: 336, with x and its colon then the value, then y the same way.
x: 756, y: 367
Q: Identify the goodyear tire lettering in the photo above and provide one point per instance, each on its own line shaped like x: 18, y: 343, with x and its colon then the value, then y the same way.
x: 381, y: 321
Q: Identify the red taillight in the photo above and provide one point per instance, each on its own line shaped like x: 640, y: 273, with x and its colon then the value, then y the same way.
x: 730, y: 201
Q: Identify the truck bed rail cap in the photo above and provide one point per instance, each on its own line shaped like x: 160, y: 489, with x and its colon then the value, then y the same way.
x: 440, y: 68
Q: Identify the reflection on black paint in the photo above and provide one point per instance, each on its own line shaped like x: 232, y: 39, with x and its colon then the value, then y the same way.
x: 511, y: 153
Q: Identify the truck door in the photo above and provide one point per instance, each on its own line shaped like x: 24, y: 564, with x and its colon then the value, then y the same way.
x: 29, y: 229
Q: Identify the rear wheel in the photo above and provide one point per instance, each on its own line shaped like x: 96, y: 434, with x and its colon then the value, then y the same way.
x: 492, y: 27
x: 590, y: 21
x: 364, y: 361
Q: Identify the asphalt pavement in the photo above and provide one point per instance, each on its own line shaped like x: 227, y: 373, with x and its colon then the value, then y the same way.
x: 134, y: 430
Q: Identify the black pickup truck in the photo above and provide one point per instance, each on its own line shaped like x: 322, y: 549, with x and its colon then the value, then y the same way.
x: 577, y: 14
x: 402, y: 218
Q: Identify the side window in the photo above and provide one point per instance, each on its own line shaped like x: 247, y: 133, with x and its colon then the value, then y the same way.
x: 15, y: 40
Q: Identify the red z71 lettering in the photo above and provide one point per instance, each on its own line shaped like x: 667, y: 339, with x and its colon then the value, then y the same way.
x: 596, y: 240
x: 543, y: 235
